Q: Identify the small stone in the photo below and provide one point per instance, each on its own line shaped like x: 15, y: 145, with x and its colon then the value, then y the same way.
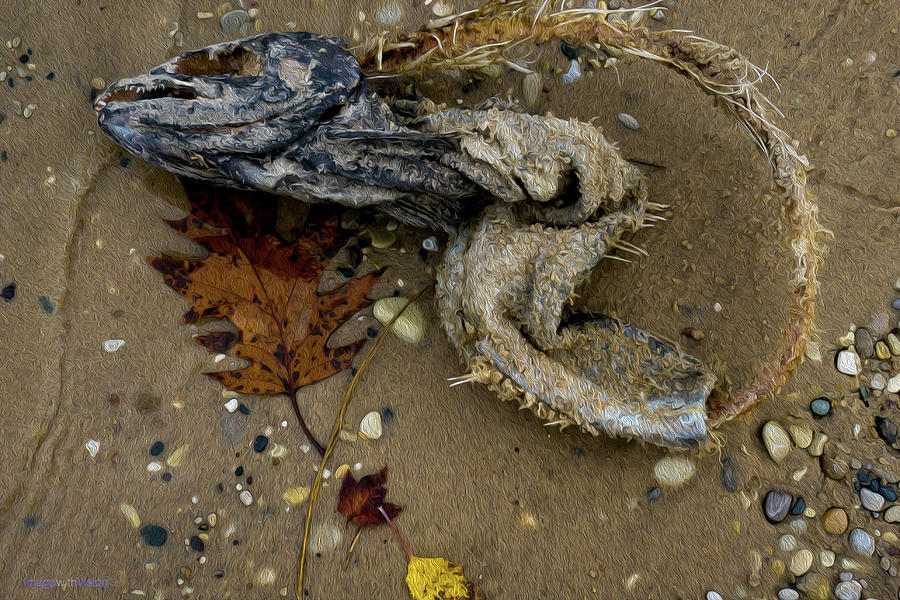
x: 817, y: 446
x: 862, y: 542
x: 93, y: 446
x: 848, y: 590
x: 826, y: 557
x: 799, y: 506
x: 130, y: 514
x: 259, y: 443
x: 573, y: 74
x: 341, y: 471
x: 787, y: 543
x: 295, y: 496
x: 777, y: 442
x: 893, y: 384
x: 113, y: 345
x: 154, y: 535
x: 887, y: 429
x: 382, y: 238
x: 801, y: 562
x: 835, y: 521
x: 154, y: 467
x: 777, y: 504
x: 157, y: 448
x: 672, y: 471
x: 175, y: 459
x: 882, y: 351
x: 820, y: 407
x: 892, y: 514
x: 802, y: 435
x: 246, y: 497
x: 788, y: 594
x: 815, y: 586
x: 863, y: 342
x: 835, y: 468
x: 231, y: 405
x: 196, y: 543
x: 730, y: 476
x: 878, y: 382
x: 409, y: 326
x: 629, y: 121
x: 895, y: 303
x: 370, y: 427
x: 430, y: 244
x: 871, y: 500
x: 212, y: 519
x: 848, y: 362
x: 893, y: 342
x: 266, y: 576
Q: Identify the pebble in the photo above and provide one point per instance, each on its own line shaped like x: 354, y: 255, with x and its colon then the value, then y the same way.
x: 777, y: 442
x: 629, y: 121
x: 835, y: 468
x: 370, y: 427
x: 382, y: 238
x: 712, y: 595
x: 893, y: 384
x: 887, y: 429
x: 799, y: 506
x: 878, y: 381
x: 826, y: 557
x: 882, y: 351
x: 157, y: 448
x: 893, y: 342
x: 175, y: 459
x: 820, y: 407
x: 817, y: 446
x: 892, y: 514
x: 196, y: 543
x: 788, y: 594
x: 815, y: 586
x: 231, y: 405
x: 154, y: 535
x: 409, y: 326
x: 835, y: 521
x: 390, y: 13
x: 430, y: 243
x: 233, y: 20
x: 573, y: 74
x: 246, y: 497
x: 531, y: 88
x: 802, y: 435
x: 259, y: 443
x: 266, y: 576
x: 672, y: 471
x: 862, y: 542
x: 130, y: 514
x: 895, y: 303
x: 863, y: 342
x: 871, y: 500
x: 113, y: 345
x: 813, y: 351
x: 730, y: 476
x: 787, y: 543
x: 848, y: 590
x: 93, y: 447
x: 801, y: 562
x: 295, y: 496
x: 154, y: 467
x: 848, y: 363
x: 777, y: 504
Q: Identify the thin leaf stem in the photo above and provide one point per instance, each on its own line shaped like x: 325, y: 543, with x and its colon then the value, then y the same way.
x: 319, y: 447
x: 394, y: 529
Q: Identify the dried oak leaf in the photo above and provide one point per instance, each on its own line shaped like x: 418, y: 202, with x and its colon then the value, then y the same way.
x: 266, y: 287
x: 359, y: 500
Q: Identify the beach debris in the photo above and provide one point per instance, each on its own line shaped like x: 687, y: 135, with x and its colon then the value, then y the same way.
x: 409, y: 327
x: 261, y: 284
x: 359, y: 500
x: 370, y: 428
x: 573, y: 74
x: 113, y: 345
x: 93, y: 446
x: 672, y: 471
x: 629, y: 122
x: 776, y: 440
x: 430, y: 244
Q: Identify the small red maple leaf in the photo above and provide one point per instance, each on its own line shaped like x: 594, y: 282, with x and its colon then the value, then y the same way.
x: 359, y: 500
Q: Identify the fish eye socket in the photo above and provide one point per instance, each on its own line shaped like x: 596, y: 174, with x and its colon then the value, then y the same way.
x: 233, y: 61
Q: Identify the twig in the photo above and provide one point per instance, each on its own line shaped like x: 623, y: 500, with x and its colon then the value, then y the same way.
x: 394, y: 529
x: 335, y: 432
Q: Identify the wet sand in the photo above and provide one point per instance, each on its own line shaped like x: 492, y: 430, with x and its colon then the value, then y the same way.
x: 530, y: 512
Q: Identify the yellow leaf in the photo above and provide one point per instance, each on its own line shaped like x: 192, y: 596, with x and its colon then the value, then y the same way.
x: 436, y: 579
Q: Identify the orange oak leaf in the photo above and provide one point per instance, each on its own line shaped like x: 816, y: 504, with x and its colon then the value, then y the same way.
x: 359, y: 500
x: 267, y: 288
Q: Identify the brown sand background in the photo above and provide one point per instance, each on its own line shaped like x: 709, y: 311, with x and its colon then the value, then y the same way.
x: 471, y: 472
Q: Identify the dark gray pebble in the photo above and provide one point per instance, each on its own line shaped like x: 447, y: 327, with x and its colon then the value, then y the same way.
x: 654, y: 494
x: 799, y: 506
x: 895, y: 304
x: 777, y: 504
x: 242, y: 408
x: 154, y: 535
x: 820, y: 407
x: 887, y: 429
x: 889, y: 493
x: 157, y: 448
x: 865, y: 344
x: 196, y: 543
x: 730, y: 477
x: 9, y: 291
x: 570, y: 51
x: 259, y: 443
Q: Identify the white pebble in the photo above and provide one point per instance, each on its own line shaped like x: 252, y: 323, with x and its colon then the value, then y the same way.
x: 813, y: 351
x: 267, y: 576
x: 629, y: 121
x: 231, y: 405
x: 711, y: 595
x: 357, y: 467
x: 827, y: 558
x: 848, y: 590
x: 848, y: 362
x: 787, y: 542
x: 573, y: 74
x: 246, y: 497
x: 893, y: 384
x: 113, y: 345
x: 304, y: 448
x: 370, y: 427
x: 154, y: 467
x: 672, y: 471
x: 430, y: 243
x: 872, y: 501
x: 409, y: 326
x: 862, y: 542
x: 788, y: 594
x: 93, y: 446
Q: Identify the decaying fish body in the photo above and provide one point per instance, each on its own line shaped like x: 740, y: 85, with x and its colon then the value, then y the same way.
x: 531, y: 204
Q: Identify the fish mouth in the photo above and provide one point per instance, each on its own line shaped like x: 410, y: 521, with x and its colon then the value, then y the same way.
x: 137, y: 92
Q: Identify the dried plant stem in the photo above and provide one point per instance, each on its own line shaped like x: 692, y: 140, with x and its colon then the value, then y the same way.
x: 396, y: 533
x: 335, y: 432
